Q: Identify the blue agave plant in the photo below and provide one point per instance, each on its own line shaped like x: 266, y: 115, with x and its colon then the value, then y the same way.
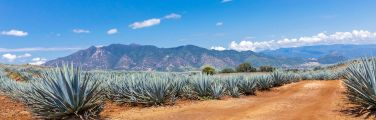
x: 65, y: 93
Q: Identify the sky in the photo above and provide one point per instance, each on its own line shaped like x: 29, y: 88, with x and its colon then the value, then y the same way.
x: 35, y: 31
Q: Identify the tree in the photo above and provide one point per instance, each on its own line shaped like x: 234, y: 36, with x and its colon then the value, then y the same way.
x: 266, y: 69
x: 208, y: 70
x: 228, y: 70
x: 245, y: 67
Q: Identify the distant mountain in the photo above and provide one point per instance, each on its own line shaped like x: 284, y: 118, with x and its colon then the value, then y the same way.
x: 324, y: 54
x: 189, y: 57
x: 147, y: 57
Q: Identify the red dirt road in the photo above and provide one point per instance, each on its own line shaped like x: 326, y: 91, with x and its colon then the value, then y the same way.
x: 307, y: 100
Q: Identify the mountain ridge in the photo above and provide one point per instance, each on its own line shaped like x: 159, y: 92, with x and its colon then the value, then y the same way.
x: 148, y: 57
x: 190, y: 57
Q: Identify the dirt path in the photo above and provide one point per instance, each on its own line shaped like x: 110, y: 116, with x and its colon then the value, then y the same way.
x: 11, y: 110
x: 302, y: 100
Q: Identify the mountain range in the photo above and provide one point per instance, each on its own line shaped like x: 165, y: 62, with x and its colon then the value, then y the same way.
x: 189, y: 57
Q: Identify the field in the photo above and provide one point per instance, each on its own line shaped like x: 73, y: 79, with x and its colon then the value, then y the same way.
x: 31, y: 92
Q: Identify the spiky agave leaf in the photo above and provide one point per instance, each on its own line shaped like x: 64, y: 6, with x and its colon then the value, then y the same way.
x: 361, y: 83
x: 65, y: 93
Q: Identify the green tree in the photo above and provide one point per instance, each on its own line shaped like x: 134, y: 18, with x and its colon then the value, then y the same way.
x: 245, y: 67
x: 208, y: 70
x: 266, y: 69
x: 228, y: 70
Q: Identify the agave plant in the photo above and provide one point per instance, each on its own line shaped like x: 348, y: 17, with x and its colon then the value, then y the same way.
x: 232, y: 86
x: 65, y: 93
x: 217, y: 90
x: 361, y: 83
x: 278, y: 78
x: 201, y: 85
x: 157, y: 91
x: 248, y: 85
x: 264, y: 82
x: 121, y: 91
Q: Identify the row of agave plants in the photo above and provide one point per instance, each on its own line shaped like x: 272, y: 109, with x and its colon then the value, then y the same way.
x: 67, y: 92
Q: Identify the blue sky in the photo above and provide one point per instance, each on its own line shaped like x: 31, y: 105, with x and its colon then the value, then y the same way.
x: 47, y: 29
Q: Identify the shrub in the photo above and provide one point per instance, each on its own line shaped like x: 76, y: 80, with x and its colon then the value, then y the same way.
x: 266, y: 69
x: 208, y: 70
x: 228, y: 70
x: 245, y: 67
x: 65, y: 93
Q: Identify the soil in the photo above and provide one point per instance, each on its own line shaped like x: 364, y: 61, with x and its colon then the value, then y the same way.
x: 307, y: 100
x: 12, y: 110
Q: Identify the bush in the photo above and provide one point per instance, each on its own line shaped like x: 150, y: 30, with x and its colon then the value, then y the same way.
x: 245, y: 67
x: 208, y: 70
x: 266, y: 69
x: 228, y: 70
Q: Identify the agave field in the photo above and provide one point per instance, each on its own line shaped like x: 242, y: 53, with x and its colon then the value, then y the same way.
x: 67, y: 92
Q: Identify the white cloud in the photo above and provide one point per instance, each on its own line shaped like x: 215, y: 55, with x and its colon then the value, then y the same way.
x: 153, y: 21
x: 146, y: 23
x: 14, y: 32
x: 219, y: 48
x: 172, y: 16
x: 26, y: 55
x: 112, y: 31
x: 354, y: 37
x: 80, y: 31
x: 310, y: 64
x: 219, y: 24
x: 226, y: 1
x: 11, y: 57
x: 38, y: 61
x: 37, y: 49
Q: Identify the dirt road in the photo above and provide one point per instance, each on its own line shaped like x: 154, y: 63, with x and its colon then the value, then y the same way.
x: 306, y: 100
x: 12, y: 110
